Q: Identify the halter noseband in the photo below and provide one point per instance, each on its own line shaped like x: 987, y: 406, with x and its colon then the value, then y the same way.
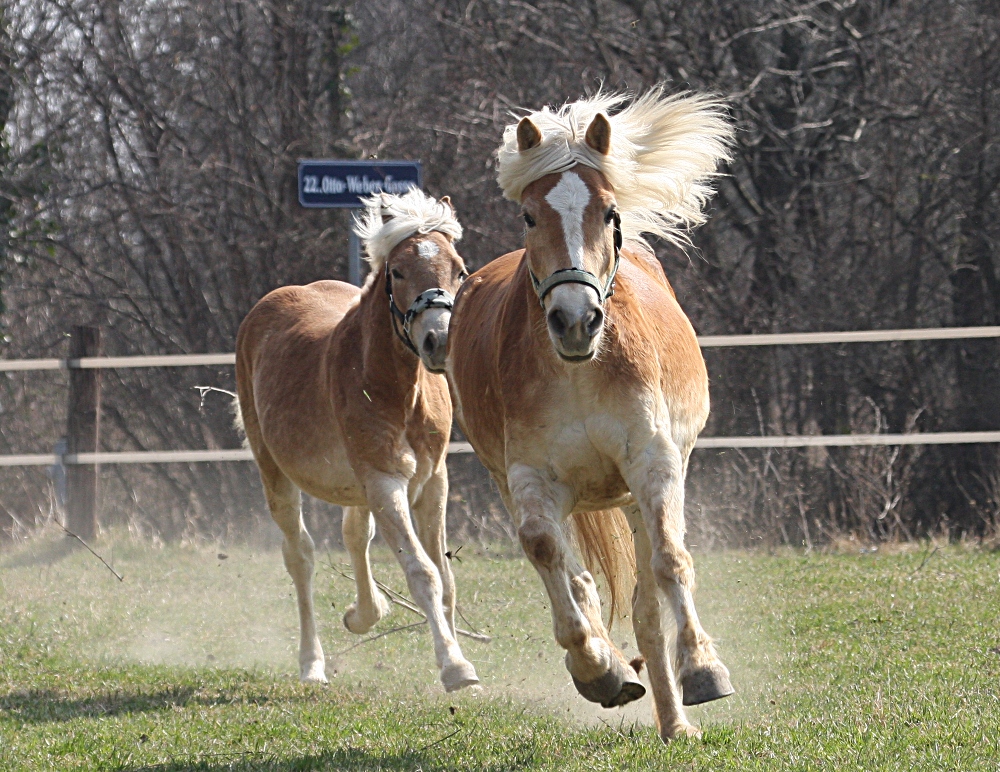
x: 580, y: 276
x: 432, y: 298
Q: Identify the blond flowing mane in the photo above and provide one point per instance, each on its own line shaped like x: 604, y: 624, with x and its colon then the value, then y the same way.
x: 388, y: 219
x: 664, y: 153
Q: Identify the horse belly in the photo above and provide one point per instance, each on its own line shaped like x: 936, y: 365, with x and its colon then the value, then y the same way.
x: 332, y: 480
x: 317, y: 463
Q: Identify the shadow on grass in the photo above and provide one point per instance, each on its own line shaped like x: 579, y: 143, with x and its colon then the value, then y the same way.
x: 348, y: 760
x: 39, y: 706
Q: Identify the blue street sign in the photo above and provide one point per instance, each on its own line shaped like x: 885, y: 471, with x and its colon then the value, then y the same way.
x: 342, y: 184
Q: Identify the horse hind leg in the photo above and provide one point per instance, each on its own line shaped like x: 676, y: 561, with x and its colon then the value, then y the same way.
x: 359, y: 530
x: 298, y: 550
x: 660, y: 493
x: 667, y: 710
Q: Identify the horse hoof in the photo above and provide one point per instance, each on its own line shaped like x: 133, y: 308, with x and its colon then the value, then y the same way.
x: 459, y: 676
x: 353, y: 622
x: 706, y: 684
x: 314, y: 675
x: 359, y: 624
x: 679, y: 731
x: 619, y: 686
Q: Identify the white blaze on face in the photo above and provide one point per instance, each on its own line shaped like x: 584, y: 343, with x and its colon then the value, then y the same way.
x: 427, y: 249
x: 570, y: 198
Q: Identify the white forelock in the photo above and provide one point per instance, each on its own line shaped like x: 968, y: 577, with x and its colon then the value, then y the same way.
x: 664, y: 152
x: 388, y: 219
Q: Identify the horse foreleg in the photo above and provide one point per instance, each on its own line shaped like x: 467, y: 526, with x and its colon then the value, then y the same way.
x: 667, y: 711
x: 429, y: 515
x: 387, y: 497
x: 656, y: 480
x: 283, y: 500
x: 358, y: 529
x: 600, y: 672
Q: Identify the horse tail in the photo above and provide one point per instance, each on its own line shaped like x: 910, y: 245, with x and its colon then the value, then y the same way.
x: 238, y: 422
x: 605, y: 541
x: 243, y: 407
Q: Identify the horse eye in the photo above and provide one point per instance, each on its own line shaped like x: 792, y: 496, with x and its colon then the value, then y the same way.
x: 396, y: 274
x: 609, y: 217
x: 528, y: 219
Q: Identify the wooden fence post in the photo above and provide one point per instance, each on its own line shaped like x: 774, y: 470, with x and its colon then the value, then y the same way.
x: 83, y: 433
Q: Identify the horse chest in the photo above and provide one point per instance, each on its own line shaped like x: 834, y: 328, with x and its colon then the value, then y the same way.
x: 582, y: 454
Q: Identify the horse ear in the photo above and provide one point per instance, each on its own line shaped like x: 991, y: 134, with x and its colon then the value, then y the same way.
x: 384, y: 201
x: 598, y: 135
x: 446, y: 200
x: 528, y: 135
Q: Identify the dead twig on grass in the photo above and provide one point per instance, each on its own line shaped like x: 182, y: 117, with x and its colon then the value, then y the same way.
x: 402, y: 600
x: 371, y: 638
x: 927, y: 556
x: 67, y: 530
x: 439, y: 740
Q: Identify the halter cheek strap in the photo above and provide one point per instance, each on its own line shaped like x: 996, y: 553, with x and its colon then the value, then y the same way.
x: 580, y: 276
x: 432, y: 298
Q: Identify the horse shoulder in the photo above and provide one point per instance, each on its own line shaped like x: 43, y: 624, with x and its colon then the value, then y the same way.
x: 659, y: 341
x: 428, y: 429
x: 643, y: 256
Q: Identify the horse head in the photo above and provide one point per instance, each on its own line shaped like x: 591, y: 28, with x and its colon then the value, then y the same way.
x: 572, y: 243
x: 410, y: 239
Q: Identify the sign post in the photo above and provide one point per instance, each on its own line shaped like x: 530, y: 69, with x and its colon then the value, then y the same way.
x: 331, y: 184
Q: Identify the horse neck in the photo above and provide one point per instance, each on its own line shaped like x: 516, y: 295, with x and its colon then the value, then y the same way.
x: 385, y: 360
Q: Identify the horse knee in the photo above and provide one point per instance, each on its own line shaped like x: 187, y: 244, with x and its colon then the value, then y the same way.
x: 299, y: 551
x: 358, y: 528
x: 539, y: 541
x: 673, y: 567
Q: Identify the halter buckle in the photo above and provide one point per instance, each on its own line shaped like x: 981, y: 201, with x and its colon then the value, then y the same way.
x: 435, y: 297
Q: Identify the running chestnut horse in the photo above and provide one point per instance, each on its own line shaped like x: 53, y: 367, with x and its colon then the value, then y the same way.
x: 341, y: 396
x: 580, y: 384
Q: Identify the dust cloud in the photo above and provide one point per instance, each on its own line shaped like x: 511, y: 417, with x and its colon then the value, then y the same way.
x: 216, y: 606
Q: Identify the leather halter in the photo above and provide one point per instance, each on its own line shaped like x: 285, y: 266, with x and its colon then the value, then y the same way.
x: 580, y: 276
x: 432, y: 298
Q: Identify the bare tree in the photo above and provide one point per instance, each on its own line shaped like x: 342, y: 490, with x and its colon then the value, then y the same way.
x: 156, y: 142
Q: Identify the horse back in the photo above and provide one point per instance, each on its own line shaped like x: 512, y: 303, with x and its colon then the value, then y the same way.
x: 289, y: 328
x: 282, y: 378
x: 643, y: 256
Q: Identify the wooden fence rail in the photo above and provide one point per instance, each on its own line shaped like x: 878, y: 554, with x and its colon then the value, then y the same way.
x: 83, y: 427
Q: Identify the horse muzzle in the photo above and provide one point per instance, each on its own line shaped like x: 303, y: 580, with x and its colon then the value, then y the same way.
x: 429, y: 334
x: 575, y: 321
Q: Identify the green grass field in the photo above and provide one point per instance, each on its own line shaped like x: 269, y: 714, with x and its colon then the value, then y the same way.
x: 841, y: 662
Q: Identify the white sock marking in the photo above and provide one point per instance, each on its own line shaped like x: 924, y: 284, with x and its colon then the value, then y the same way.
x: 427, y: 249
x: 570, y: 198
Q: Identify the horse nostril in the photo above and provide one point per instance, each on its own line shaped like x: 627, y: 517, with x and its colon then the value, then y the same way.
x: 430, y: 343
x: 557, y: 322
x: 594, y: 322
